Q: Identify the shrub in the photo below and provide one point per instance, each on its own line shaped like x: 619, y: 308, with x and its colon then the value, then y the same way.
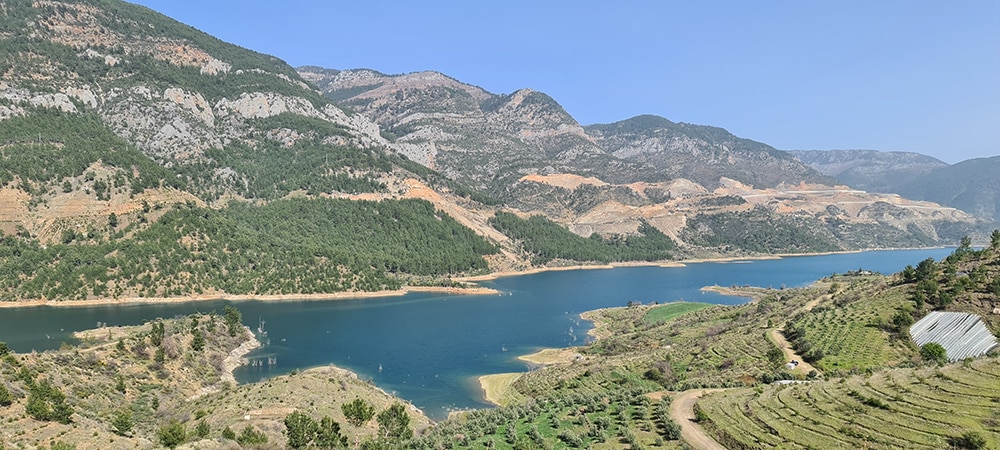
x: 251, y: 436
x: 970, y: 440
x: 123, y: 422
x: 172, y: 434
x: 933, y: 352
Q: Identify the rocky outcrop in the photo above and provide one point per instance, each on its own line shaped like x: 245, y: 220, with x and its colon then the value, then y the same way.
x: 486, y: 140
x: 971, y: 186
x: 700, y: 153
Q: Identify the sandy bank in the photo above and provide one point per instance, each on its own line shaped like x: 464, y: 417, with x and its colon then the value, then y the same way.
x: 497, y: 387
x: 551, y: 356
x: 495, y: 275
x: 276, y: 297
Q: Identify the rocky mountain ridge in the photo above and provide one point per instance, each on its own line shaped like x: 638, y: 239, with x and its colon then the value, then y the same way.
x: 870, y: 170
x: 968, y: 185
x: 113, y: 116
x: 452, y: 126
x: 524, y: 148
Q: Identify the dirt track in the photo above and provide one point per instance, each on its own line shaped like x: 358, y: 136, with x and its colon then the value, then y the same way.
x: 790, y: 355
x: 682, y: 411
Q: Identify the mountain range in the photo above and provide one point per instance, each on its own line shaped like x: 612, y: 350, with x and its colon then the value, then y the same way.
x: 972, y: 185
x: 125, y: 134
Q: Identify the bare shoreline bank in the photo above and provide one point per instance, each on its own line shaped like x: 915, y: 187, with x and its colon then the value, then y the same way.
x: 476, y: 290
x: 671, y: 263
x: 265, y: 297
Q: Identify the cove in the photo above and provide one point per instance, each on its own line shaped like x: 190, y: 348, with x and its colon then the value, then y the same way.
x: 429, y: 348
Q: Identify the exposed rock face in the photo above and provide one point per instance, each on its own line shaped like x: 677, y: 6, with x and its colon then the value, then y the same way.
x: 700, y: 153
x: 120, y: 54
x: 487, y: 140
x: 589, y: 205
x: 459, y: 128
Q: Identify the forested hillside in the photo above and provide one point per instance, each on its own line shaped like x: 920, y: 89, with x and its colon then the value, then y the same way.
x: 295, y: 246
x: 142, y: 157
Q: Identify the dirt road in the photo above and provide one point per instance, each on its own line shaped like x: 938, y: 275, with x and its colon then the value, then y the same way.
x: 682, y: 411
x: 778, y: 338
x: 790, y: 355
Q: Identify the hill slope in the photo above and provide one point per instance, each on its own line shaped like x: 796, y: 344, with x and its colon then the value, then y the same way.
x: 701, y: 153
x: 970, y: 186
x: 620, y: 389
x: 869, y: 170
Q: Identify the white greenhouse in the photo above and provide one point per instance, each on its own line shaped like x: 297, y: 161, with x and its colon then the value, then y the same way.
x: 962, y: 335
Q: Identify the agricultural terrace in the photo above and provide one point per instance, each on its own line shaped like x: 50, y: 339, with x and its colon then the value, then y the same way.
x: 601, y: 420
x: 932, y: 407
x: 854, y: 330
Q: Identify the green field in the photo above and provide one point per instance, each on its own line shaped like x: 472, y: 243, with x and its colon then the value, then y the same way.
x: 663, y: 313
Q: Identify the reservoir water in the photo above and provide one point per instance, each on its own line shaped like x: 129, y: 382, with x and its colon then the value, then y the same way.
x: 429, y: 348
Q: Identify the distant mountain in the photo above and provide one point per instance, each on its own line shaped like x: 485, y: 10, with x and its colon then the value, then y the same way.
x: 491, y: 140
x: 972, y: 186
x: 486, y: 140
x: 140, y: 157
x: 700, y: 153
x: 870, y: 170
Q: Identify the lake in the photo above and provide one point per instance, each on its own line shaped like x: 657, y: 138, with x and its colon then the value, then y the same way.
x: 430, y: 348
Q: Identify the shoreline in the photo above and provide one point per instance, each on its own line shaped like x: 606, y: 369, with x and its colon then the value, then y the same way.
x: 672, y: 263
x: 472, y: 290
x: 476, y: 290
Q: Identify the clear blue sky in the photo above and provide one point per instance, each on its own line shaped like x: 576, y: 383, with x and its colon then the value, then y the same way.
x: 919, y: 76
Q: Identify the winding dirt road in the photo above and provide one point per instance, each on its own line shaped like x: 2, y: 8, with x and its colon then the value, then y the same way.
x: 682, y: 411
x: 682, y: 406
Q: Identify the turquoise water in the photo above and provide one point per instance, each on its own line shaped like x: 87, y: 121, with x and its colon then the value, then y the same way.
x: 429, y: 348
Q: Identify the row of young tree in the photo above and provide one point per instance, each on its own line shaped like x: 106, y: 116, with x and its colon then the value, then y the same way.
x: 546, y: 240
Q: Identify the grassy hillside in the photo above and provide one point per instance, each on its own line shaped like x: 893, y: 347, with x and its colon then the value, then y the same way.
x: 896, y: 408
x: 166, y: 383
x: 870, y: 388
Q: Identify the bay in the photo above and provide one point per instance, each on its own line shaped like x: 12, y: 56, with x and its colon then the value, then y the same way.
x: 430, y: 348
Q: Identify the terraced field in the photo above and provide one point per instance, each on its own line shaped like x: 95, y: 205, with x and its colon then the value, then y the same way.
x: 852, y: 334
x: 898, y: 408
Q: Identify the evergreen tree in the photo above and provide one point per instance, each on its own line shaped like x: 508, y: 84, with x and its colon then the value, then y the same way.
x: 358, y: 412
x: 328, y: 434
x: 300, y: 429
x: 123, y: 422
x: 394, y: 423
x: 172, y: 434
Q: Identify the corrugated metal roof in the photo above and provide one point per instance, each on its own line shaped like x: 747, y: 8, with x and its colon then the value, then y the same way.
x: 962, y: 335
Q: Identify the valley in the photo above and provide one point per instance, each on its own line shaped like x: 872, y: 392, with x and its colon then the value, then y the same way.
x: 505, y: 276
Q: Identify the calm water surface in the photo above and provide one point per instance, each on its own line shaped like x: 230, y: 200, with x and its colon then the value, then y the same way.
x: 428, y: 348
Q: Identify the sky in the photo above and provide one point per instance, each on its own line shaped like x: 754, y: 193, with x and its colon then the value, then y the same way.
x: 914, y: 75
